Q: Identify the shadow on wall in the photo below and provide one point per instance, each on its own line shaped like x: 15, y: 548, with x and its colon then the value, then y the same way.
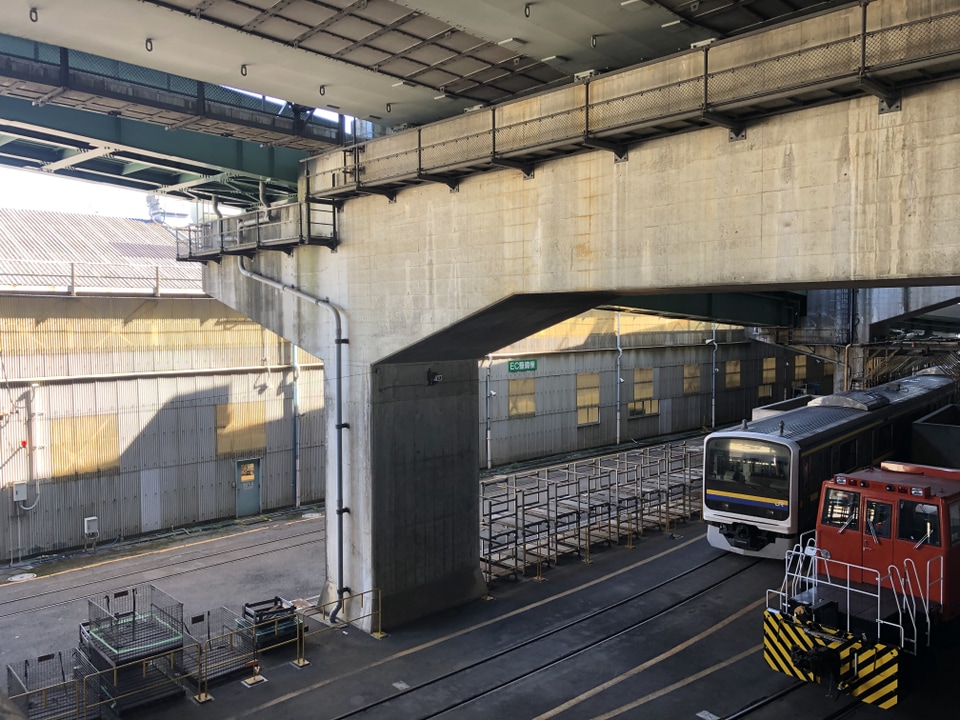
x: 142, y: 464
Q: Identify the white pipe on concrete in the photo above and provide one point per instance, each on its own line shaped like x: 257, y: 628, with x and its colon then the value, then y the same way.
x: 339, y: 341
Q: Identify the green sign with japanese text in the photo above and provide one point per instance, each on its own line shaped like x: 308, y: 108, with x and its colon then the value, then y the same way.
x: 521, y: 365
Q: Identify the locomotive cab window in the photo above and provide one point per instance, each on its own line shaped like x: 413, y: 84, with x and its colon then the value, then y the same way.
x: 841, y: 509
x: 878, y: 518
x: 919, y: 523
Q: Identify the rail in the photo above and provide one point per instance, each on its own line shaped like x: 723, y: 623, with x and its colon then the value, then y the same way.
x: 277, y: 228
x: 710, y: 86
x: 30, y: 277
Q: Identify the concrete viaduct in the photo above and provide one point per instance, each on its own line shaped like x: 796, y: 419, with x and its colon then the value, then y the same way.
x: 835, y: 195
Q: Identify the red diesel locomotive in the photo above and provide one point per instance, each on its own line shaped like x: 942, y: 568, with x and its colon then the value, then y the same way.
x: 874, y: 585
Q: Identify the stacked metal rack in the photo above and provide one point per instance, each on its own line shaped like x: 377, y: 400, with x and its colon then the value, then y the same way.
x: 134, y: 638
x: 533, y: 517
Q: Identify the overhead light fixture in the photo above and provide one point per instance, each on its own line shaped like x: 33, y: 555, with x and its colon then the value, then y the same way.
x: 634, y: 4
x: 404, y: 83
x: 554, y: 60
x: 512, y: 43
x: 443, y: 97
x: 675, y: 25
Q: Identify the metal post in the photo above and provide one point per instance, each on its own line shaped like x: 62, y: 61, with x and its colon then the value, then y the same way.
x: 619, y: 378
x: 713, y: 380
x: 489, y: 393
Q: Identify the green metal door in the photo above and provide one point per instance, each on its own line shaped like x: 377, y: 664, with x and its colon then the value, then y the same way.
x: 248, y: 487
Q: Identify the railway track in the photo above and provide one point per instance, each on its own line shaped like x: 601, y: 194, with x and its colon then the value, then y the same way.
x: 198, y: 560
x: 551, y: 651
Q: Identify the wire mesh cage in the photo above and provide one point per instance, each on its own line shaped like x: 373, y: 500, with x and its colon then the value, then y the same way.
x: 225, y: 649
x: 134, y: 623
x: 43, y: 688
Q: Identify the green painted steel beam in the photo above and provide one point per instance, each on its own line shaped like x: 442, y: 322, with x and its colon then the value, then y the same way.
x: 760, y: 309
x: 215, y: 153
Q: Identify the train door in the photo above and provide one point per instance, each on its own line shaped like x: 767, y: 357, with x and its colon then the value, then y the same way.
x: 877, y: 545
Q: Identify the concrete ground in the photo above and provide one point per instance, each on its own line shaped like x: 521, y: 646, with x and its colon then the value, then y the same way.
x: 668, y: 629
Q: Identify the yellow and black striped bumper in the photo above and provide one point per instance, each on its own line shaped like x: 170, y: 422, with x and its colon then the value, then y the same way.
x: 868, y: 671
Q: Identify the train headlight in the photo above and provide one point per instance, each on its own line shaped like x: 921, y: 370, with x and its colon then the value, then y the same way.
x: 840, y: 480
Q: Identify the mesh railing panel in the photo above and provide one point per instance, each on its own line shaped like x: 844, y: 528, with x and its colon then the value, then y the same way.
x: 225, y: 649
x: 389, y: 166
x: 457, y: 151
x: 920, y: 39
x: 636, y: 108
x: 804, y: 67
x: 546, y: 130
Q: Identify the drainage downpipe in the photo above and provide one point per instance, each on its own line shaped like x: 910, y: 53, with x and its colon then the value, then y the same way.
x: 295, y: 362
x: 340, y: 341
x: 619, y: 378
x: 488, y: 394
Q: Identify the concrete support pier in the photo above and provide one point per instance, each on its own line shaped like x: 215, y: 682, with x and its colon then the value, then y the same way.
x: 826, y: 197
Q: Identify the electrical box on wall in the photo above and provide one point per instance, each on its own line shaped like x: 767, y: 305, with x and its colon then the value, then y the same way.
x: 91, y: 526
x: 19, y: 492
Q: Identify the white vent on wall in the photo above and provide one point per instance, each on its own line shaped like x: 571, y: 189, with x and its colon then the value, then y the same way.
x: 91, y: 526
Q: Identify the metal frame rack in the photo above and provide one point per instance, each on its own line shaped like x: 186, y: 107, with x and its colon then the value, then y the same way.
x: 532, y: 518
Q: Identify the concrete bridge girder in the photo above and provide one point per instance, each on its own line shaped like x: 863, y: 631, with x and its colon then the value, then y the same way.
x: 824, y: 197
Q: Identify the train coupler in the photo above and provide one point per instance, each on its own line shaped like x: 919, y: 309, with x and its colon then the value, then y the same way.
x: 841, y: 662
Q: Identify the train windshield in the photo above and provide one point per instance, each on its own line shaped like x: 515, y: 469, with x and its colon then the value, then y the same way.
x: 749, y: 477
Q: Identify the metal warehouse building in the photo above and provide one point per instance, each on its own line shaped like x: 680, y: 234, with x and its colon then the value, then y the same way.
x: 131, y: 402
x: 605, y: 377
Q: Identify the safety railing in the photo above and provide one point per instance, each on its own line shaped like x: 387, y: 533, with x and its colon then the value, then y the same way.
x: 44, y: 689
x: 608, y: 105
x: 86, y: 685
x: 277, y: 228
x: 859, y: 593
x: 362, y: 609
x: 52, y: 277
x: 532, y: 518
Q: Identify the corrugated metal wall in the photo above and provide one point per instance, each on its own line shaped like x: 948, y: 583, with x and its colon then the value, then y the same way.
x: 561, y: 353
x: 111, y: 407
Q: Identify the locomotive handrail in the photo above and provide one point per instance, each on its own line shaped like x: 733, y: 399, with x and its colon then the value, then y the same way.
x: 906, y: 603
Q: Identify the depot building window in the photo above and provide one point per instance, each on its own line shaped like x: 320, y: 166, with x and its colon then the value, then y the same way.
x: 691, y: 379
x: 644, y: 402
x: 523, y: 397
x: 588, y: 398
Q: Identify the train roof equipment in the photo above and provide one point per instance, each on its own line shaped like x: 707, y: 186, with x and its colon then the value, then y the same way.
x: 874, y: 584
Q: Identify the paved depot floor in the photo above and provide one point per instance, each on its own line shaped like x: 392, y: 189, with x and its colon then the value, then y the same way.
x: 694, y: 657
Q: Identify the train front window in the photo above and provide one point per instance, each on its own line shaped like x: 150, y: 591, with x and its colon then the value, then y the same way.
x: 919, y: 523
x: 748, y: 476
x: 841, y: 509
